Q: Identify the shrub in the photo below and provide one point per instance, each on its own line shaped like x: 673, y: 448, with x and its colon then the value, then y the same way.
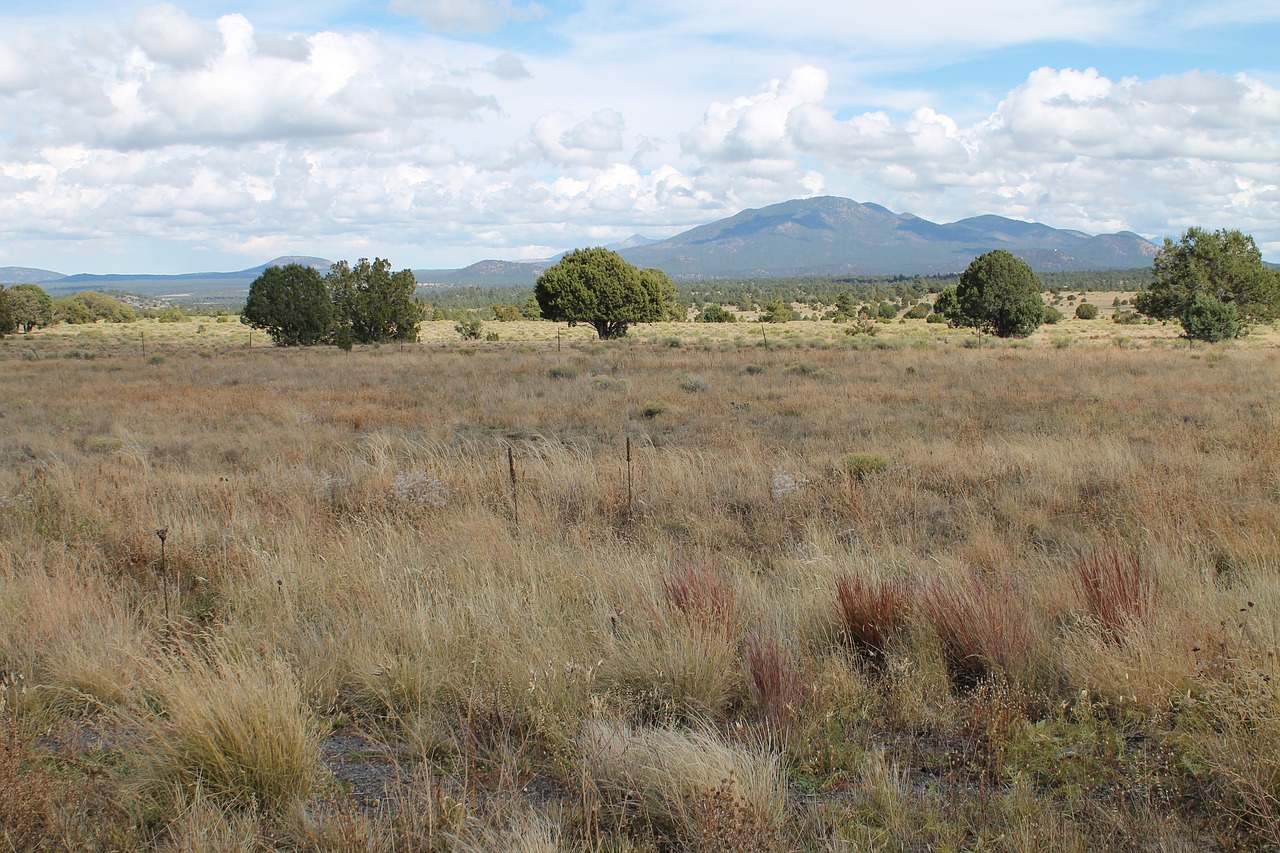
x: 1052, y: 316
x: 1086, y: 311
x: 692, y: 383
x: 653, y: 409
x: 776, y: 311
x: 935, y: 317
x: 919, y: 311
x: 862, y: 465
x: 716, y: 313
x: 1127, y: 317
x: 609, y: 383
x: 861, y: 327
x: 469, y: 328
x: 561, y: 372
x: 803, y: 368
x: 1209, y: 319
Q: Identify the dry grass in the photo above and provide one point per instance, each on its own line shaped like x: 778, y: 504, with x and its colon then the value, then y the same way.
x: 343, y: 553
x: 691, y: 788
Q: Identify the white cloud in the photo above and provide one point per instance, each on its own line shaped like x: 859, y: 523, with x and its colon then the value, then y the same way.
x: 507, y: 66
x: 230, y: 137
x: 562, y: 140
x: 169, y: 35
x: 467, y: 15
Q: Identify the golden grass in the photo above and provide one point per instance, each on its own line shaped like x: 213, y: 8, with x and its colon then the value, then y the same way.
x: 343, y: 551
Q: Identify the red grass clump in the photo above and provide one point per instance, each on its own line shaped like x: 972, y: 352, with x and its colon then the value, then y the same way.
x: 1115, y: 588
x: 870, y: 611
x: 775, y: 683
x: 984, y: 630
x: 700, y: 593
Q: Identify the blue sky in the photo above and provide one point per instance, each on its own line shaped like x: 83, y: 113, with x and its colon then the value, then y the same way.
x: 207, y: 135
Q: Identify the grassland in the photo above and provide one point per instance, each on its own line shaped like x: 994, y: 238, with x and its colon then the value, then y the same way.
x: 890, y: 592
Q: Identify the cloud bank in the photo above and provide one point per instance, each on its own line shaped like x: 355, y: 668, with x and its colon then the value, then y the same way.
x: 219, y: 137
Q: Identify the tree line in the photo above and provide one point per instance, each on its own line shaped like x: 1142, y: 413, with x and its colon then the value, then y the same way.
x: 27, y: 307
x: 1214, y: 283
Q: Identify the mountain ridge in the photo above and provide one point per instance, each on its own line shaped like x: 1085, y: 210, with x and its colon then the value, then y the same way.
x: 824, y: 235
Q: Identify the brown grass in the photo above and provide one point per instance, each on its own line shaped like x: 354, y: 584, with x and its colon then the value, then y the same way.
x: 342, y: 553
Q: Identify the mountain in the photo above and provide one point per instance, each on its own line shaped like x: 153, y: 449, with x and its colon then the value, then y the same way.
x: 633, y: 242
x: 838, y: 236
x: 487, y: 274
x: 812, y: 236
x: 27, y: 275
x: 207, y: 287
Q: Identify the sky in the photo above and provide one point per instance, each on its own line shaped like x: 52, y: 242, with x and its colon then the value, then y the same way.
x: 204, y: 135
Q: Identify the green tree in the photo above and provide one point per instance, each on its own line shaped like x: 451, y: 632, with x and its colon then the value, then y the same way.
x: 598, y: 287
x: 846, y: 307
x: 374, y: 304
x: 1000, y: 294
x: 661, y: 291
x: 103, y: 306
x: 949, y: 306
x: 1086, y: 311
x: 31, y: 306
x: 716, y: 313
x: 71, y: 311
x: 776, y: 311
x: 1225, y: 265
x: 530, y: 309
x: 291, y: 304
x: 1210, y: 319
x: 8, y: 325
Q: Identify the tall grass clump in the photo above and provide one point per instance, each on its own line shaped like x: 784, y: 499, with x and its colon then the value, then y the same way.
x: 1114, y: 588
x: 870, y: 611
x: 984, y: 630
x: 233, y: 728
x: 690, y: 789
x: 774, y: 682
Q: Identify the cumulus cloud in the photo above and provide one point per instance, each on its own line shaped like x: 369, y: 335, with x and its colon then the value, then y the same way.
x: 467, y: 15
x: 169, y: 35
x: 232, y: 137
x: 251, y: 87
x: 560, y: 138
x: 754, y: 127
x: 508, y: 66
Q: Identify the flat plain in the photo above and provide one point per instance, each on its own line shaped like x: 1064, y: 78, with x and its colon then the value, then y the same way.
x: 739, y: 587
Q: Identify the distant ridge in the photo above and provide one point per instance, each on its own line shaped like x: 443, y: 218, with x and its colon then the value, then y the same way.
x: 27, y: 275
x: 813, y: 236
x: 838, y: 236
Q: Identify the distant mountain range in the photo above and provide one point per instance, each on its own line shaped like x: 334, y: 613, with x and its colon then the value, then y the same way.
x: 814, y: 236
x: 837, y: 236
